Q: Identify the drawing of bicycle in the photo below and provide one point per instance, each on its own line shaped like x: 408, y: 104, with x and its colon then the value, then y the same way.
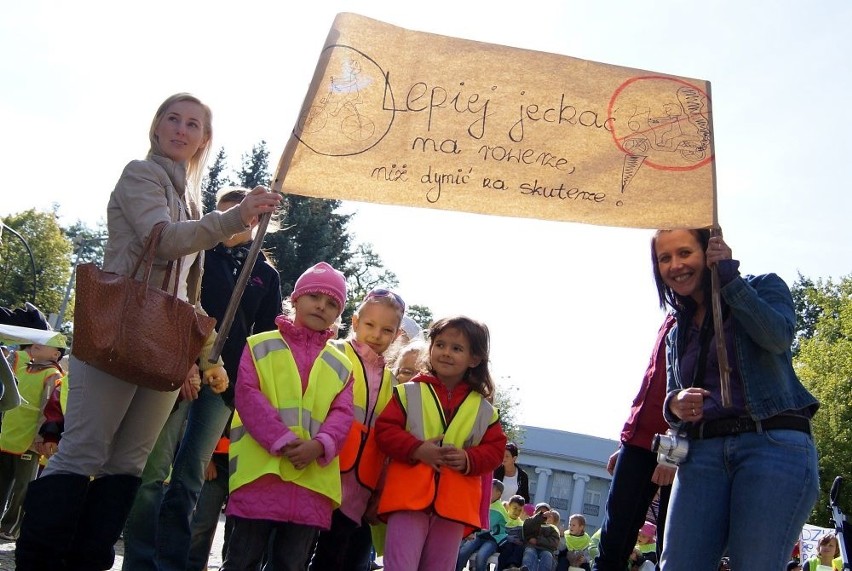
x: 341, y: 101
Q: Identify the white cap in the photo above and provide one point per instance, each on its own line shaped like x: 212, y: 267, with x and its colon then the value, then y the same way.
x: 409, y: 327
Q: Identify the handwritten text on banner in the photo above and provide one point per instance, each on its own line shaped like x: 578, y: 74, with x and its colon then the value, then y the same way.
x: 400, y: 117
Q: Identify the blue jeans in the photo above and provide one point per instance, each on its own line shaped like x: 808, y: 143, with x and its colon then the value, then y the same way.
x: 748, y: 494
x: 208, y: 509
x: 630, y: 494
x: 538, y: 559
x: 483, y: 545
x: 158, y: 534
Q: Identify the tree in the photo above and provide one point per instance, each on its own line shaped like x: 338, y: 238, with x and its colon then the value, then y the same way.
x: 214, y: 181
x: 365, y: 271
x: 44, y: 285
x: 506, y: 399
x: 824, y: 364
x: 313, y: 230
x: 421, y: 314
x: 89, y: 243
x: 255, y: 169
x: 88, y: 246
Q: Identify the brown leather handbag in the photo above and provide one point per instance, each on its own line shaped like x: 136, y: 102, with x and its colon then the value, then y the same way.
x: 141, y: 334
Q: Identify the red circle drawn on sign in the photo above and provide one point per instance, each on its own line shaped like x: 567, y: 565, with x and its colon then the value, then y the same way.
x: 619, y: 140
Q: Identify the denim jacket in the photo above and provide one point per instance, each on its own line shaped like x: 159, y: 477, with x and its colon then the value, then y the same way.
x: 764, y: 326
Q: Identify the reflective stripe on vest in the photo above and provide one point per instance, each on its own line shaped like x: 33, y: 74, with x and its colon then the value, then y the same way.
x: 303, y: 414
x: 360, y: 448
x: 21, y: 424
x: 417, y: 487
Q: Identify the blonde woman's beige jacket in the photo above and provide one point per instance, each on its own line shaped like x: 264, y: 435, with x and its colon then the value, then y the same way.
x: 152, y: 191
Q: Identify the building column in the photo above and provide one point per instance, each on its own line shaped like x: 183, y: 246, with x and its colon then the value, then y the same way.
x: 580, y: 481
x: 541, y: 485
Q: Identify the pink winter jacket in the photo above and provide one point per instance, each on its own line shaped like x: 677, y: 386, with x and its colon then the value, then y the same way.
x: 269, y: 497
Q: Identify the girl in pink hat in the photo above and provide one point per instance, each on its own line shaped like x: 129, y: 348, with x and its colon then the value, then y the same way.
x: 293, y: 412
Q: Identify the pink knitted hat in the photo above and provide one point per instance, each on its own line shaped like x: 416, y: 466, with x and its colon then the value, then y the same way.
x: 648, y: 529
x: 322, y: 278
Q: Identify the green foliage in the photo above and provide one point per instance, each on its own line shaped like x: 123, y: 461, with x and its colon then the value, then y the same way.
x: 824, y: 364
x: 421, y: 314
x: 214, y: 181
x: 364, y: 271
x: 255, y: 169
x: 88, y: 243
x: 506, y: 400
x: 51, y: 254
x: 312, y: 230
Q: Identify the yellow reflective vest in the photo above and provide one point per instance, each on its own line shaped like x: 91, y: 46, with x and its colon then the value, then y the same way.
x: 360, y: 451
x: 416, y: 487
x: 301, y: 413
x: 35, y: 383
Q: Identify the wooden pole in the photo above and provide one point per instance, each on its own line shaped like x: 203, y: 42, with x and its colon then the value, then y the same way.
x: 240, y: 285
x: 719, y: 326
x: 715, y: 294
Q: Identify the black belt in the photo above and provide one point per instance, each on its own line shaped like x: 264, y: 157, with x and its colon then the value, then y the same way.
x: 740, y: 424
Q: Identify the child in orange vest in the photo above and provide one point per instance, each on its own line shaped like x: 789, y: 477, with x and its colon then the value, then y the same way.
x: 375, y: 325
x: 441, y: 435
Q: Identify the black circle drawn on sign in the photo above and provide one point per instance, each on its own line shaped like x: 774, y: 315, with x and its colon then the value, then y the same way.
x: 357, y: 128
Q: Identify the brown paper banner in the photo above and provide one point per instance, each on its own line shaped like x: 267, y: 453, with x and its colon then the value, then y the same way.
x: 408, y: 118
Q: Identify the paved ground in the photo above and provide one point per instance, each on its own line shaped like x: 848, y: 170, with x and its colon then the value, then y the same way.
x: 7, y: 552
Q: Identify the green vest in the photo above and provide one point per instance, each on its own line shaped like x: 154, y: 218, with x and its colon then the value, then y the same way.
x: 303, y: 414
x: 836, y: 563
x: 20, y: 425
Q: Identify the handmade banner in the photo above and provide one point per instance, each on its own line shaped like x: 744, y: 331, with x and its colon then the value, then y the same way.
x: 809, y: 540
x: 395, y: 116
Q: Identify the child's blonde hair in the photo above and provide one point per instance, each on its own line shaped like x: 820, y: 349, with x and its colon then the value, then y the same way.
x: 381, y: 296
x: 400, y: 351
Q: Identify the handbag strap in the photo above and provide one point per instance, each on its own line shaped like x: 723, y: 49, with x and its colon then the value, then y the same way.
x: 146, y: 260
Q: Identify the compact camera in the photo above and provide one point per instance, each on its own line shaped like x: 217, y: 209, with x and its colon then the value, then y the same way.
x: 671, y: 448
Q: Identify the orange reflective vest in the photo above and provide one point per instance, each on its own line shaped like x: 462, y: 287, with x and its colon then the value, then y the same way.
x: 360, y: 451
x: 450, y: 494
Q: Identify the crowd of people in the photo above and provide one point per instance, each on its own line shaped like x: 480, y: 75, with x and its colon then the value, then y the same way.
x: 325, y: 453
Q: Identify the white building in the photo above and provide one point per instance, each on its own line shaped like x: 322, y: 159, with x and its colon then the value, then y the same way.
x: 568, y: 471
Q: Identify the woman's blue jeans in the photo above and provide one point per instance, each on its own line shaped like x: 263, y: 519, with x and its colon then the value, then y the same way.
x: 157, y: 534
x: 746, y: 496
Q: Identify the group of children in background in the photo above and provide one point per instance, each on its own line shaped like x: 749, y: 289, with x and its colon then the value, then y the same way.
x: 537, y: 542
x: 31, y: 430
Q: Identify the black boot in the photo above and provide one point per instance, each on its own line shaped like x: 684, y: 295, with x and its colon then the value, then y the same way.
x: 107, y: 506
x: 51, y: 510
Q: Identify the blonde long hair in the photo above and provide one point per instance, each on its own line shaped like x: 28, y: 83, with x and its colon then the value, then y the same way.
x: 195, y: 165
